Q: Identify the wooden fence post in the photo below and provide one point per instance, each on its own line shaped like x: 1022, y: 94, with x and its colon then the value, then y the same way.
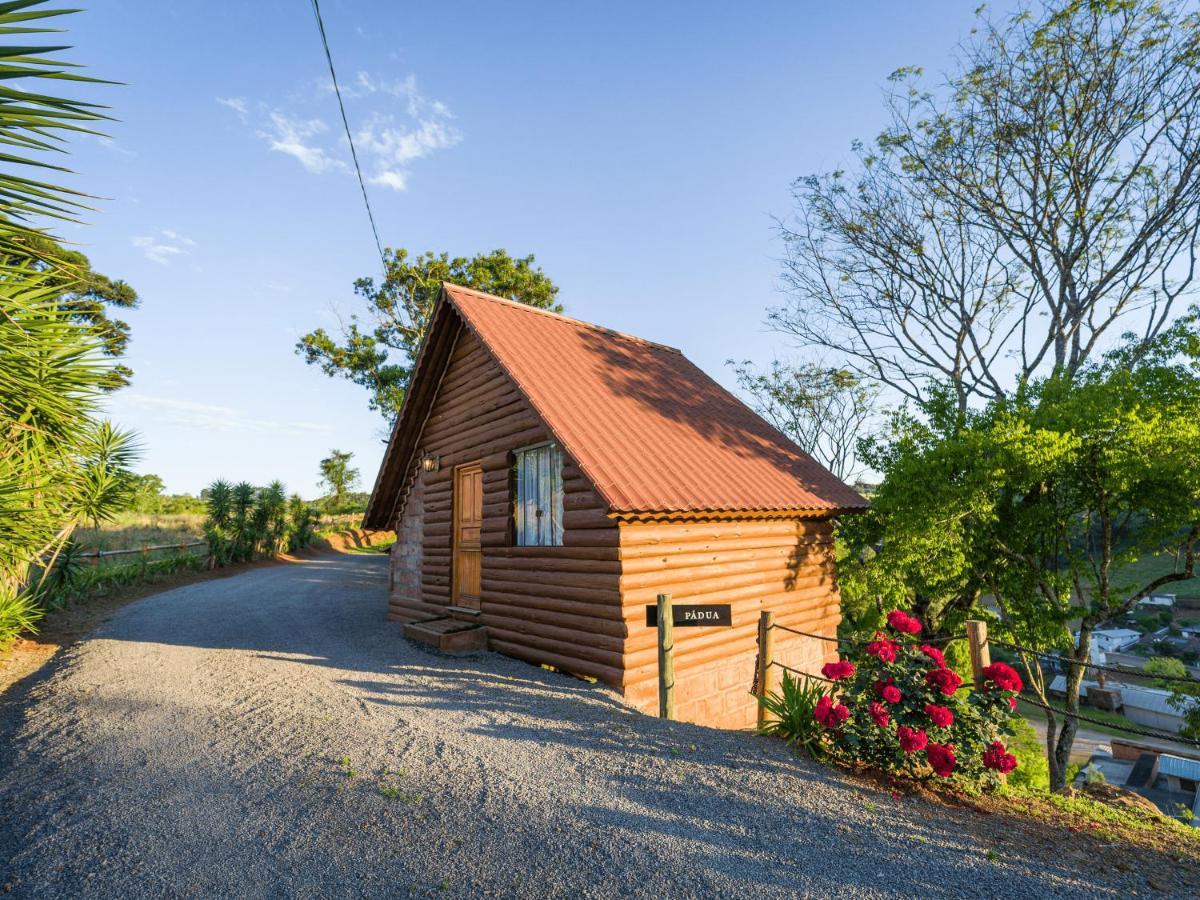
x: 666, y: 658
x: 766, y: 656
x: 981, y: 655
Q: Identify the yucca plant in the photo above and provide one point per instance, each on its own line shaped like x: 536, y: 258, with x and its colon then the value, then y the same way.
x: 790, y: 713
x: 273, y: 501
x: 219, y: 503
x: 57, y: 463
x: 32, y: 124
x: 302, y: 520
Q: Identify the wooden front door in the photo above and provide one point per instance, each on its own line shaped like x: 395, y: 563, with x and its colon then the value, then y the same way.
x: 468, y: 519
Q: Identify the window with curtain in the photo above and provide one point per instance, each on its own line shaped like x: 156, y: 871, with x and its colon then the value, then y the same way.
x: 538, y: 507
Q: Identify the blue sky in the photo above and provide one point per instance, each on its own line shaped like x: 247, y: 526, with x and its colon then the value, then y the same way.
x: 639, y: 150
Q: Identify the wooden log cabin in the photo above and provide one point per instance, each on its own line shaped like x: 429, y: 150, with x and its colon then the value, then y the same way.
x: 548, y: 478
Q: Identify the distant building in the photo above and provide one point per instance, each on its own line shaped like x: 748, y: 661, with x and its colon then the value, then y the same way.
x: 1148, y: 707
x: 1191, y: 631
x: 1111, y: 640
x: 1158, y: 601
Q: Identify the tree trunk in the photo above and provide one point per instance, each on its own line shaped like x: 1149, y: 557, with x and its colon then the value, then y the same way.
x: 1059, y: 752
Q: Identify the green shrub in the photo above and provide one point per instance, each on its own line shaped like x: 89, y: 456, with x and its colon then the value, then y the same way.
x: 246, y: 523
x: 17, y: 614
x: 896, y: 706
x: 789, y: 713
x: 1033, y: 771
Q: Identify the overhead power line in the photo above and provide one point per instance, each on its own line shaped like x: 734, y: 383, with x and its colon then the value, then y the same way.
x: 349, y: 138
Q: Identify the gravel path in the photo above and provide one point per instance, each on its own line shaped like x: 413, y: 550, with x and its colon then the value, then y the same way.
x: 270, y: 735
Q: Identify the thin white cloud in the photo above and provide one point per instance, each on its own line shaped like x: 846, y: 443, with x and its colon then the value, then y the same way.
x: 210, y: 417
x: 400, y: 126
x: 295, y: 138
x: 109, y: 144
x: 237, y: 104
x: 164, y: 246
x: 391, y: 148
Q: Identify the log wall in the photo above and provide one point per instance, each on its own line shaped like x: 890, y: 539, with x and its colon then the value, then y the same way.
x: 785, y: 566
x: 581, y: 607
x: 554, y: 605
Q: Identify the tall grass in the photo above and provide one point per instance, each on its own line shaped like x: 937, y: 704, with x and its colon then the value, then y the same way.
x: 131, y: 530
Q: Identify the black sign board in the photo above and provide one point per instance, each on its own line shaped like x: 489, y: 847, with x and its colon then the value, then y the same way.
x: 697, y: 615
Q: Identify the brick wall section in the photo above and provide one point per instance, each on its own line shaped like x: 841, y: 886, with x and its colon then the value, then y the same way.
x: 405, y: 568
x: 785, y: 566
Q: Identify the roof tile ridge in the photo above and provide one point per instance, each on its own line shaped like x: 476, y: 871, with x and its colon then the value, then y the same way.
x: 565, y: 318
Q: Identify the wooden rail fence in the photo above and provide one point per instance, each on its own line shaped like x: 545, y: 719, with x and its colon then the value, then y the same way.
x: 95, y: 556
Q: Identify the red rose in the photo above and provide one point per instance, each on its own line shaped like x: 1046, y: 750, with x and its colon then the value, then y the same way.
x: 835, y: 671
x: 883, y: 648
x: 941, y: 759
x: 935, y: 654
x: 997, y: 757
x: 828, y: 714
x: 945, y: 680
x: 939, y: 715
x: 822, y: 709
x: 899, y: 620
x: 1003, y: 676
x: 911, y: 740
x: 1012, y: 703
x: 879, y: 714
x: 890, y: 693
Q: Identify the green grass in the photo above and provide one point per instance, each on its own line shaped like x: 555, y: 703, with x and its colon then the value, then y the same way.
x: 1113, y: 722
x: 1150, y: 567
x: 129, y: 531
x: 1116, y: 822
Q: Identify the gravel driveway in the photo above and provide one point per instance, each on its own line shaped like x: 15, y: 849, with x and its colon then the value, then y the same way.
x: 271, y: 735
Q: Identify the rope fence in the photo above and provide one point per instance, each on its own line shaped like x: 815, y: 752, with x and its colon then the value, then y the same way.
x: 979, y: 642
x: 1129, y: 729
x: 1118, y: 670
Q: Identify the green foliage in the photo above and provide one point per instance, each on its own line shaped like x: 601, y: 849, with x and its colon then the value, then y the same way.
x: 84, y: 582
x: 34, y: 121
x: 87, y: 295
x: 338, y: 475
x: 1172, y: 668
x: 892, y: 706
x: 789, y: 713
x: 145, y: 493
x: 18, y: 613
x: 379, y: 353
x: 1033, y: 771
x: 58, y: 463
x: 245, y: 523
x: 1040, y: 501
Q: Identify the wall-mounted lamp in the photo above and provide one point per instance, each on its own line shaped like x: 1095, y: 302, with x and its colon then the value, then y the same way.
x: 430, y: 463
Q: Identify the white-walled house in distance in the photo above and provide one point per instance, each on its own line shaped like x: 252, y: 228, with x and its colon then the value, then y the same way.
x: 1157, y: 601
x: 1112, y: 640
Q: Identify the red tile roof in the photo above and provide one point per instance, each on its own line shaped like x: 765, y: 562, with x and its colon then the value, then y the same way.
x: 648, y: 428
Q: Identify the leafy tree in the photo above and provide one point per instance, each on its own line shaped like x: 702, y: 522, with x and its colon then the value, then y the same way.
x: 146, y: 494
x: 379, y: 353
x: 338, y: 476
x: 822, y: 409
x: 1042, y: 502
x: 88, y: 295
x: 58, y: 463
x: 1165, y: 666
x: 1002, y: 227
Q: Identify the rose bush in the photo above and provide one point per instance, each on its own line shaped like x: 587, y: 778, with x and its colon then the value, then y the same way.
x: 897, y: 707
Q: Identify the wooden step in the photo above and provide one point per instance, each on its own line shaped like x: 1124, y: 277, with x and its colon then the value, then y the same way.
x: 448, y: 635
